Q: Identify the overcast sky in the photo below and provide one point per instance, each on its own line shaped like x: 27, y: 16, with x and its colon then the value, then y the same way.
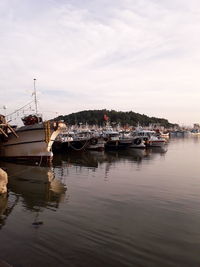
x: 139, y: 55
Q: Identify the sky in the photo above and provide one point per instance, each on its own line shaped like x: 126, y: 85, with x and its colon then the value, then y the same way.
x: 139, y: 55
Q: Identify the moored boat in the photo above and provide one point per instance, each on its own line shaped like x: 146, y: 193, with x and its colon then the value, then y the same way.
x: 195, y: 132
x: 97, y: 142
x: 155, y: 141
x: 111, y: 138
x: 138, y: 142
x: 32, y: 142
x: 78, y: 140
x: 125, y: 140
x: 150, y: 138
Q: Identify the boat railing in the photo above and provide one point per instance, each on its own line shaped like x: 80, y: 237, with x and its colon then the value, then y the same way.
x: 5, y: 128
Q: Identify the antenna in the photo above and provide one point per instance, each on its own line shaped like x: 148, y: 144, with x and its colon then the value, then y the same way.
x: 35, y: 96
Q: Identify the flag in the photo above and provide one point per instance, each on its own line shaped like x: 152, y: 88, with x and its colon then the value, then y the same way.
x: 105, y: 117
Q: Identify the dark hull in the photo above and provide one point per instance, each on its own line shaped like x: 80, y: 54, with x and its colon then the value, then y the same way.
x: 116, y: 145
x: 63, y: 147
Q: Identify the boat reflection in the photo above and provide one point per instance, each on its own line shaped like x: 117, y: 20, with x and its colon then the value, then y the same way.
x: 36, y: 188
x: 93, y: 159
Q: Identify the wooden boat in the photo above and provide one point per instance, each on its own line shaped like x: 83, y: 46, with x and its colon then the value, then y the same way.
x: 33, y: 141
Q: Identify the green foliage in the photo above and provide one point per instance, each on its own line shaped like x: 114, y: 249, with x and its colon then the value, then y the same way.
x: 131, y: 118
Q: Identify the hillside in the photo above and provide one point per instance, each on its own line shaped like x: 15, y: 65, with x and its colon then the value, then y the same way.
x: 92, y: 117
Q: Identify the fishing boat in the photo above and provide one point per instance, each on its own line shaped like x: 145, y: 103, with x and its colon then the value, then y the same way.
x: 137, y: 142
x: 155, y: 141
x: 32, y: 141
x: 78, y: 140
x: 97, y: 142
x: 125, y: 139
x: 195, y: 132
x: 114, y: 140
x: 134, y: 141
x: 164, y: 135
x: 150, y: 138
x: 111, y: 138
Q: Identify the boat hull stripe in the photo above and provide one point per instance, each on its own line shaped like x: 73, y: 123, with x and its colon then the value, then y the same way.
x: 22, y: 143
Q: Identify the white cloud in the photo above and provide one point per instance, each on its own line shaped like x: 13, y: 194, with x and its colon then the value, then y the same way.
x: 125, y: 55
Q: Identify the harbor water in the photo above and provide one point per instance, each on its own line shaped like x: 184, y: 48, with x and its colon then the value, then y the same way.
x: 137, y: 207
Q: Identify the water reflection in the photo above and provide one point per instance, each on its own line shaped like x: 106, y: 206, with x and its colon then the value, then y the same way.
x: 138, y: 155
x: 93, y: 159
x: 145, y: 214
x: 38, y: 188
x: 3, y: 206
x: 35, y: 187
x: 89, y: 162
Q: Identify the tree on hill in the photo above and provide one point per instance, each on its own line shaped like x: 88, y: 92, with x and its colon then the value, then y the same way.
x: 97, y: 117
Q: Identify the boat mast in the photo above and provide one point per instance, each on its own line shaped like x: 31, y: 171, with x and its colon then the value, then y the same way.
x: 35, y: 96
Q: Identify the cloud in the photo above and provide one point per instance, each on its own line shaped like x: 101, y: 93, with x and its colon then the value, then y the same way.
x: 123, y: 54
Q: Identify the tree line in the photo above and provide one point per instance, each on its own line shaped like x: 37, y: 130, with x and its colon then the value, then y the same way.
x: 99, y: 117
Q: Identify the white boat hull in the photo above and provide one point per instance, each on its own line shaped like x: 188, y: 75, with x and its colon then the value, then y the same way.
x: 31, y: 144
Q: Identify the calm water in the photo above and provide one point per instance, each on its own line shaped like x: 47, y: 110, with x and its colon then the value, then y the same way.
x: 128, y: 208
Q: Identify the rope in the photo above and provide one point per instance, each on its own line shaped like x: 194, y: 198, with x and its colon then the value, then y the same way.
x: 79, y: 149
x: 17, y: 110
x: 40, y: 161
